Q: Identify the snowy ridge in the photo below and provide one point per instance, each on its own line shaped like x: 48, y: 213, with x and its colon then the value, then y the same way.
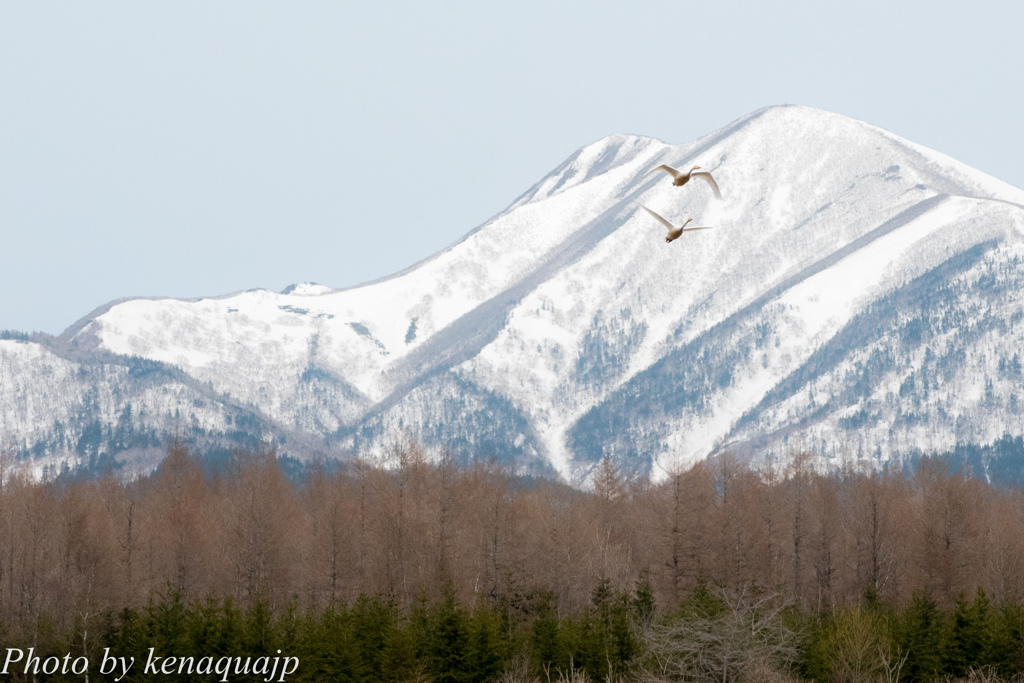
x: 564, y: 329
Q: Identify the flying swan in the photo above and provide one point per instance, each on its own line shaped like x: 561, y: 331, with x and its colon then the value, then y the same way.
x: 680, y: 178
x: 673, y: 231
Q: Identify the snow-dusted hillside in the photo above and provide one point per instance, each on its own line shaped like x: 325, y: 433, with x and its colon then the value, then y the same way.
x: 858, y: 296
x: 58, y: 411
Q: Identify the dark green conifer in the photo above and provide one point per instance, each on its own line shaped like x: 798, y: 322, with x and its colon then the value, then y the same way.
x: 374, y: 641
x: 450, y: 660
x: 643, y: 600
x: 970, y: 634
x: 544, y: 636
x: 921, y: 638
x: 487, y: 649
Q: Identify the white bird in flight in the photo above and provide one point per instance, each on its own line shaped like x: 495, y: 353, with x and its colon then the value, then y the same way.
x: 680, y: 178
x: 673, y: 231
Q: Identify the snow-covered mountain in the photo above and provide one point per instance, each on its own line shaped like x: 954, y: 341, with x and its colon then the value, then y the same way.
x: 859, y: 296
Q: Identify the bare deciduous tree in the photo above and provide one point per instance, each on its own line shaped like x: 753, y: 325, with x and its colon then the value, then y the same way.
x: 721, y: 645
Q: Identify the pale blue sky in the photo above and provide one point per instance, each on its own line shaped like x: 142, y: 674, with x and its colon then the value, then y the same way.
x: 199, y: 148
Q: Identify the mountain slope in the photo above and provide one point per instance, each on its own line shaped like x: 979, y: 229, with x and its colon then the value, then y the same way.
x: 564, y: 329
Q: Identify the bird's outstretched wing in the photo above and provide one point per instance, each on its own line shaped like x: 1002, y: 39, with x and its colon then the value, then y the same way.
x: 660, y: 219
x: 703, y: 227
x: 664, y: 167
x: 704, y: 175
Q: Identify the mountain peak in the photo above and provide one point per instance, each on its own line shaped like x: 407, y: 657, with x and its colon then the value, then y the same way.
x: 852, y: 290
x: 306, y: 289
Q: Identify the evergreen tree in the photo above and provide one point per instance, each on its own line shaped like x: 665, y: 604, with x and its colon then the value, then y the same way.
x: 170, y: 629
x: 331, y: 648
x: 643, y: 600
x: 702, y: 602
x: 1005, y: 646
x: 544, y: 634
x: 921, y: 638
x: 487, y: 649
x: 450, y: 660
x: 259, y: 630
x: 624, y: 645
x: 1011, y: 641
x: 231, y: 633
x: 128, y: 636
x: 370, y: 635
x: 970, y: 638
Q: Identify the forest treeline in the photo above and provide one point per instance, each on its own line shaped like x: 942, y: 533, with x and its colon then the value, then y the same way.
x: 413, y: 568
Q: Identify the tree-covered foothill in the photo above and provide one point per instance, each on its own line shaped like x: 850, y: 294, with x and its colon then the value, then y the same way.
x: 712, y: 635
x: 411, y: 569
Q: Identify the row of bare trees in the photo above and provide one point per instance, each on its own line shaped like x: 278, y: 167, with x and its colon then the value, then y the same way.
x: 410, y: 527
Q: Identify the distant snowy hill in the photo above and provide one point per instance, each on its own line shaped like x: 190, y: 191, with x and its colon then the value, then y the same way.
x: 859, y: 296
